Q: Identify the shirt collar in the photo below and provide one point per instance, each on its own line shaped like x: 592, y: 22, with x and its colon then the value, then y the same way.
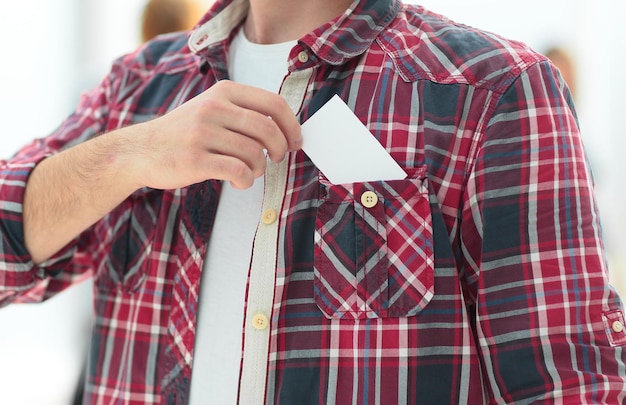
x: 345, y: 37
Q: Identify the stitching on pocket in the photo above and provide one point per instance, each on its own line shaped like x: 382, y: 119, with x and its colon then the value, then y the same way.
x: 395, y: 280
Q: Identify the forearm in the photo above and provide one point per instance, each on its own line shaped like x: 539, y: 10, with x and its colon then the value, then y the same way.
x: 70, y: 191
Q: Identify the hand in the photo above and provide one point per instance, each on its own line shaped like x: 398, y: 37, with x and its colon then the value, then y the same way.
x: 220, y: 134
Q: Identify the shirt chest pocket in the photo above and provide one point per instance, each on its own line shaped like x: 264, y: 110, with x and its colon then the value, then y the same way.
x: 373, y: 253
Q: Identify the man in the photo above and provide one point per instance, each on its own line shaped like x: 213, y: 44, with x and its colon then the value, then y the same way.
x: 479, y: 278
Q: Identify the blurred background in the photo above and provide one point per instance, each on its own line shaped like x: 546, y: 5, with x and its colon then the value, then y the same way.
x: 53, y: 51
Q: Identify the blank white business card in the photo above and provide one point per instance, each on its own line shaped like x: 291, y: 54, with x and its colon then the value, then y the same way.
x: 343, y: 149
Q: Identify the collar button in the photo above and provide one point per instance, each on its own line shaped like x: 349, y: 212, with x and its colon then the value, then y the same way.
x: 303, y: 57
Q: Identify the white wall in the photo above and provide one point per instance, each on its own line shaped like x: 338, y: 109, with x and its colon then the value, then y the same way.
x: 52, y: 50
x: 36, y: 69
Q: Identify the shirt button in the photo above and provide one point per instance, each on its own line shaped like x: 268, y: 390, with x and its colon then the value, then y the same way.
x: 269, y: 217
x: 303, y: 57
x: 618, y: 327
x: 260, y: 322
x: 369, y: 199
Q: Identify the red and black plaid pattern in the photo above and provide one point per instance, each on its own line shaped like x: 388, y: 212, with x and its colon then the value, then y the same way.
x: 374, y: 261
x: 478, y: 279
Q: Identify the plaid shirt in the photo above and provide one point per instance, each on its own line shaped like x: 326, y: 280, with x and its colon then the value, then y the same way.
x: 480, y: 278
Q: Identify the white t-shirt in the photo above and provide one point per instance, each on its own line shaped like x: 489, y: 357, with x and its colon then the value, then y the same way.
x: 218, y: 346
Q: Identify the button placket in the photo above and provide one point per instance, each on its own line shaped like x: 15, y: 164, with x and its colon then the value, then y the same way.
x: 263, y: 270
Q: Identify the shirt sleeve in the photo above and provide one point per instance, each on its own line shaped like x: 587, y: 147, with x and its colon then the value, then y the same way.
x: 547, y: 323
x: 20, y: 278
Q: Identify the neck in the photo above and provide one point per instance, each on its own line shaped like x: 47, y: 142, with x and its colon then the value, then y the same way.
x: 275, y: 21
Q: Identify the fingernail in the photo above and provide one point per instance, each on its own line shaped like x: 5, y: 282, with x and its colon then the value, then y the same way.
x: 298, y: 142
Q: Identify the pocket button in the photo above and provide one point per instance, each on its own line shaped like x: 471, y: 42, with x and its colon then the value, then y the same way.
x: 369, y: 199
